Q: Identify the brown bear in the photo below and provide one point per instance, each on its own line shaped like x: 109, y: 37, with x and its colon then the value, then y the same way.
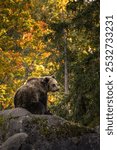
x: 33, y: 94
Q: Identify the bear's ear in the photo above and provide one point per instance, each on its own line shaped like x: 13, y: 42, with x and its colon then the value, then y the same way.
x: 53, y: 76
x: 46, y: 79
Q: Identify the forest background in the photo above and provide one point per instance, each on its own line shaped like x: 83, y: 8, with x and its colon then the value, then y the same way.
x: 60, y: 37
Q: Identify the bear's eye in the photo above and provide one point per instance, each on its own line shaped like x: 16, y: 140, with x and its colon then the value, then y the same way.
x: 53, y: 85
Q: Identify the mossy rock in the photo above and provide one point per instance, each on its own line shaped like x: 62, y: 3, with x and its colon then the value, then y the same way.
x: 44, y: 132
x: 53, y: 127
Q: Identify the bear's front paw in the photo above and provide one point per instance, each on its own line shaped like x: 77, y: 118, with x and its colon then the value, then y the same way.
x: 48, y: 112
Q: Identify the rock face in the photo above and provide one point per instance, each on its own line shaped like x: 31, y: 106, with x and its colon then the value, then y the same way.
x: 21, y: 130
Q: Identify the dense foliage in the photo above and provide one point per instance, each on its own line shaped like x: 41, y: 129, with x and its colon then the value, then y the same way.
x: 52, y: 37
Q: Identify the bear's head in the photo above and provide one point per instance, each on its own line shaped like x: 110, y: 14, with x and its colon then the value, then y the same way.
x: 51, y: 83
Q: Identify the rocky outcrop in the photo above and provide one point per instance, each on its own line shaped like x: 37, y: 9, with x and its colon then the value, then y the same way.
x: 21, y: 130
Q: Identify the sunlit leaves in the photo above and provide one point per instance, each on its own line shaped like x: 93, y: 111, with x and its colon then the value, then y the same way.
x: 32, y: 43
x: 22, y: 47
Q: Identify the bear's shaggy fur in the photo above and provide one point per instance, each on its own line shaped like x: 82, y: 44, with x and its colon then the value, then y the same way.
x: 33, y: 94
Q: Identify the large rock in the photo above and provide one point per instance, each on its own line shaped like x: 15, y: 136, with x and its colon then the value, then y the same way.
x: 21, y: 130
x: 15, y: 142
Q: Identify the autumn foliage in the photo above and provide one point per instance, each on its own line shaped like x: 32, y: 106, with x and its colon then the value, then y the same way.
x: 59, y: 37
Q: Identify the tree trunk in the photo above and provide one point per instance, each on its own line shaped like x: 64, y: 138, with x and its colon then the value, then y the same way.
x: 65, y: 62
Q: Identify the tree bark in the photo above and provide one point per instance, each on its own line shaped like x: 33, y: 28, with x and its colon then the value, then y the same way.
x: 65, y: 62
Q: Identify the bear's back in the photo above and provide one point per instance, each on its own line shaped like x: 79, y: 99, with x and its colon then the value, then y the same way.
x: 37, y: 83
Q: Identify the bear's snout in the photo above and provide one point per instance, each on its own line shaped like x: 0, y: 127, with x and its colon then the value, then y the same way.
x: 55, y: 89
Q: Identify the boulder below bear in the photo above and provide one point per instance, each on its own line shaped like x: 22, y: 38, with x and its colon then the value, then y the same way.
x: 33, y: 94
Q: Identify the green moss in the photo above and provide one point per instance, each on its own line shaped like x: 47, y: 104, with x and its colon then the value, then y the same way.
x: 37, y: 120
x: 3, y: 128
x: 2, y: 121
x: 70, y: 130
x: 64, y: 130
x: 42, y: 125
x: 95, y: 122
